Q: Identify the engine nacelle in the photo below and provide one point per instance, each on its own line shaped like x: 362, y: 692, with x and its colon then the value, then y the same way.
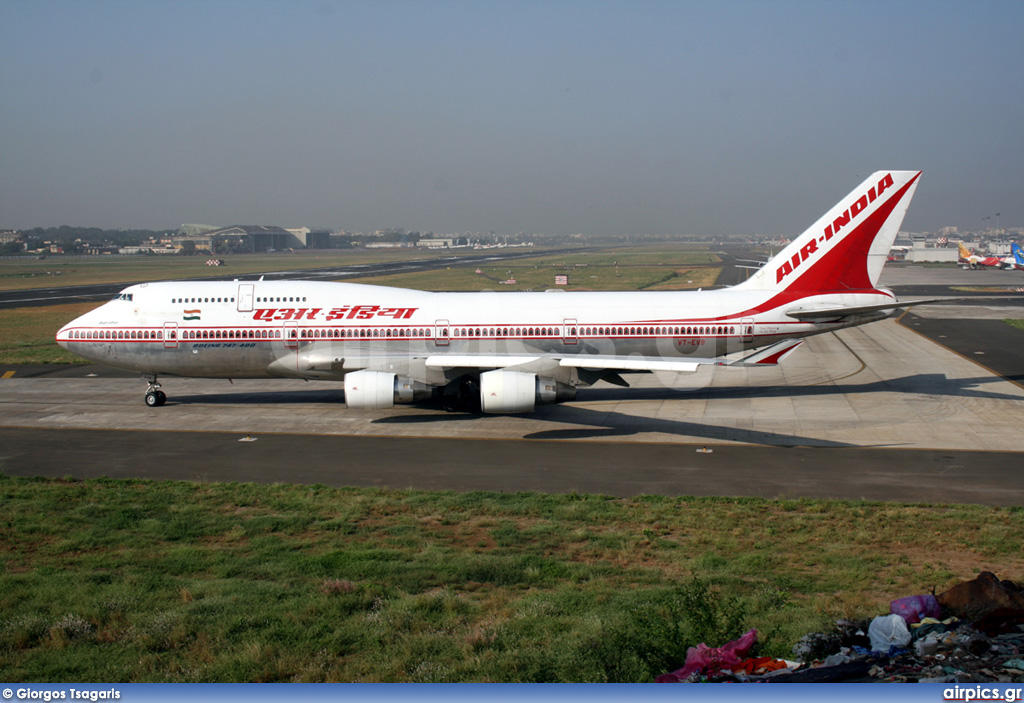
x: 518, y: 392
x: 379, y: 390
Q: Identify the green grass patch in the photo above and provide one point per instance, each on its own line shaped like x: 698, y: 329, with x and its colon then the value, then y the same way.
x: 1019, y: 324
x: 27, y: 334
x: 663, y: 268
x: 18, y: 273
x: 136, y: 580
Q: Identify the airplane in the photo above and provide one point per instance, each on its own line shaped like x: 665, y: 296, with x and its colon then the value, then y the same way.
x: 969, y: 259
x: 503, y: 352
x: 1016, y: 258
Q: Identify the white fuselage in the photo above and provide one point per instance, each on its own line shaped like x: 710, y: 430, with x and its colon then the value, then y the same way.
x: 231, y: 329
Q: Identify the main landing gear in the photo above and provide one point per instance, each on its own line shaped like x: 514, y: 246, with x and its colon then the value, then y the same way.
x: 462, y: 395
x: 154, y: 396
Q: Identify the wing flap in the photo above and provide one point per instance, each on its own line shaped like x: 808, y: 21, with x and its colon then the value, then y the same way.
x: 478, y: 361
x: 633, y: 363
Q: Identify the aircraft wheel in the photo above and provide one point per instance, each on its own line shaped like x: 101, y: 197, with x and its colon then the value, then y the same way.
x: 161, y: 398
x: 155, y: 399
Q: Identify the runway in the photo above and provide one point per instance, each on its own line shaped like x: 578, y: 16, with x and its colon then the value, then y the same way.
x: 507, y: 466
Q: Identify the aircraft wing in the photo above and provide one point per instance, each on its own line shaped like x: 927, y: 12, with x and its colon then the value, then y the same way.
x: 834, y: 312
x: 769, y: 356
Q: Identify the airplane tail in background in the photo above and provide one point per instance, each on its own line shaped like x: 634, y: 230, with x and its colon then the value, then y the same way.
x: 847, y: 247
x: 1018, y: 253
x: 964, y: 252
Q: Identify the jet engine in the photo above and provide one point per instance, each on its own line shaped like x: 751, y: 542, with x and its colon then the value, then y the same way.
x: 378, y: 390
x: 519, y: 392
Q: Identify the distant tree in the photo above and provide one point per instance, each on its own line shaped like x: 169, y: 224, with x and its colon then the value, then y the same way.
x: 188, y: 248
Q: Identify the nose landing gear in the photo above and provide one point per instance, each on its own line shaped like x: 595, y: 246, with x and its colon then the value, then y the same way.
x: 154, y: 396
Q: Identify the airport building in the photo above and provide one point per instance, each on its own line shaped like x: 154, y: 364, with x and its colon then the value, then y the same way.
x: 256, y: 238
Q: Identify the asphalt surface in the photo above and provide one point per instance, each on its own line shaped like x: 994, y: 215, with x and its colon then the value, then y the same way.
x: 992, y: 344
x: 610, y: 468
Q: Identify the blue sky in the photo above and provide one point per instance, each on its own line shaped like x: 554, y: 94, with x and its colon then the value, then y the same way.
x: 725, y: 117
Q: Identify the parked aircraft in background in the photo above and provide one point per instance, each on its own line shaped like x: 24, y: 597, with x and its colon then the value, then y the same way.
x: 503, y: 352
x: 968, y: 259
x: 1016, y: 258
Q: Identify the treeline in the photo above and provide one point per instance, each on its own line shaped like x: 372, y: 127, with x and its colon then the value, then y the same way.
x: 95, y: 236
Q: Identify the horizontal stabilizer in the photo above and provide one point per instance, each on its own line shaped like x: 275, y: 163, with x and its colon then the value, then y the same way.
x: 834, y: 312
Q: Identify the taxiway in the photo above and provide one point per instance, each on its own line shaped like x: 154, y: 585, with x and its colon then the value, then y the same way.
x: 879, y: 412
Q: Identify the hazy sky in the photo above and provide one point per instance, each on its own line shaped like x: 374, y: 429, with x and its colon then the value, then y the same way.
x: 556, y: 117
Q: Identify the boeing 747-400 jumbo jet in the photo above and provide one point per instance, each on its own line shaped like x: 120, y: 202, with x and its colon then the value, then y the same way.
x: 502, y: 352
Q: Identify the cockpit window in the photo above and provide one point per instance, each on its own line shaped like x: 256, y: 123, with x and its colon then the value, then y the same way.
x: 123, y: 296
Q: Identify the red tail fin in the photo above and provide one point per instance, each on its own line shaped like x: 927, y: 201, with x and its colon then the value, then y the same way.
x: 847, y: 247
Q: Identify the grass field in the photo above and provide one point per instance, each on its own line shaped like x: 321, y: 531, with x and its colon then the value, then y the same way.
x: 109, y: 580
x: 662, y: 268
x: 26, y: 334
x: 18, y: 273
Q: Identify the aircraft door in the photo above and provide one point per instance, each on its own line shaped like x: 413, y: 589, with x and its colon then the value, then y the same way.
x: 170, y: 335
x: 569, y: 332
x: 748, y: 329
x: 441, y: 330
x: 291, y: 334
x: 245, y: 295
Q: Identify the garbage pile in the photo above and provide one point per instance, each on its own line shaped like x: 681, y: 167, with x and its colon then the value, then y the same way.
x: 972, y: 633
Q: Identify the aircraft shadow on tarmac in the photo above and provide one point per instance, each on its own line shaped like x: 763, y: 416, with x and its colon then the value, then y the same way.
x: 332, y: 397
x: 926, y: 384
x: 604, y: 423
x: 607, y: 424
x: 611, y: 424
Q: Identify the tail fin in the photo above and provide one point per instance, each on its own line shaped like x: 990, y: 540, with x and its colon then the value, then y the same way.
x: 963, y: 251
x: 1018, y: 253
x: 848, y: 246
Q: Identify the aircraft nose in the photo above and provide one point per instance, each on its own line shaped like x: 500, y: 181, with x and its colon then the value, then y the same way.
x: 63, y: 334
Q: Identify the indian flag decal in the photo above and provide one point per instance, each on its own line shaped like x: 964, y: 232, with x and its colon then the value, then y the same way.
x: 191, y: 315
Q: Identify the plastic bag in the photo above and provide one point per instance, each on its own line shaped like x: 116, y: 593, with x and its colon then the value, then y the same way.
x: 888, y: 630
x: 711, y: 660
x: 915, y: 608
